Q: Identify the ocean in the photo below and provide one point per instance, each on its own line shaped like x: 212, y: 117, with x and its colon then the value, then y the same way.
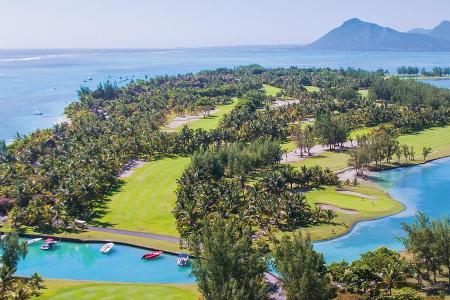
x: 36, y: 85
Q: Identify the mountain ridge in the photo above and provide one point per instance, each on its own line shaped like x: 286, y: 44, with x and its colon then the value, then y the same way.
x: 355, y: 34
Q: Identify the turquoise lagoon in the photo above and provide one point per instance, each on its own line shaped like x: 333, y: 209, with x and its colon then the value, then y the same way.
x: 424, y: 188
x: 83, y: 261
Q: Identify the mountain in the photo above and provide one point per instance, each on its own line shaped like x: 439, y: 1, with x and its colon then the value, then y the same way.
x: 355, y: 34
x: 420, y: 30
x: 441, y: 31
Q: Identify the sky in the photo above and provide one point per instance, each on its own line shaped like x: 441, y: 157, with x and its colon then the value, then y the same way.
x: 197, y: 23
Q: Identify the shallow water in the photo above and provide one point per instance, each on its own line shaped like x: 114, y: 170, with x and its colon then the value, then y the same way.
x: 424, y: 188
x: 47, y: 80
x: 83, y: 261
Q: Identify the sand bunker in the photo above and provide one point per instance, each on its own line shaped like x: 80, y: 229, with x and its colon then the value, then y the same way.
x: 338, y: 209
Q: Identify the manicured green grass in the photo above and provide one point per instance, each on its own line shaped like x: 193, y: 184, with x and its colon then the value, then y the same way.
x: 368, y: 209
x: 437, y: 138
x: 311, y: 88
x: 271, y: 90
x: 64, y: 289
x: 146, y: 200
x: 212, y: 121
x: 364, y: 93
x: 328, y: 159
x: 360, y: 132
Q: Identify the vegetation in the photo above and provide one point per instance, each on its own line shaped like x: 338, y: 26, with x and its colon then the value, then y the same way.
x: 429, y: 243
x: 12, y: 287
x: 384, y: 273
x: 229, y: 265
x: 302, y: 270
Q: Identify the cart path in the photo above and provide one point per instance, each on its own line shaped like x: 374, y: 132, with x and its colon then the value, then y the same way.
x: 272, y: 279
x: 153, y: 236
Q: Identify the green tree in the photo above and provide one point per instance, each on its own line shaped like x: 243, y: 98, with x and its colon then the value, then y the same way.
x: 302, y: 270
x: 12, y: 287
x: 229, y: 265
x: 425, y: 152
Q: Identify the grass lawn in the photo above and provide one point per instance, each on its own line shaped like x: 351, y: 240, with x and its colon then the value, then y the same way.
x: 311, y: 88
x: 359, y: 131
x: 333, y: 160
x: 146, y: 200
x: 364, y: 93
x: 212, y: 121
x: 368, y: 209
x: 64, y: 289
x: 271, y: 90
x: 437, y: 138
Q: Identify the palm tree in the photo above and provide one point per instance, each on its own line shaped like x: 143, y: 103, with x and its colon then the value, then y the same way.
x: 391, y: 275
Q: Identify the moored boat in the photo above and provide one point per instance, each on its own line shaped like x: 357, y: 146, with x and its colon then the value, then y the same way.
x: 152, y: 255
x: 32, y: 241
x: 182, y: 259
x: 50, y: 241
x: 106, y: 248
x: 46, y: 246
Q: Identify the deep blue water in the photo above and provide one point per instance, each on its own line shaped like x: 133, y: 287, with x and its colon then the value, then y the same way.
x: 424, y: 188
x: 47, y: 80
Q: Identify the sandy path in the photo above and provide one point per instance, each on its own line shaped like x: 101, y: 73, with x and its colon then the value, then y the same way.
x: 338, y: 209
x: 129, y: 168
x: 294, y: 156
x: 181, y: 120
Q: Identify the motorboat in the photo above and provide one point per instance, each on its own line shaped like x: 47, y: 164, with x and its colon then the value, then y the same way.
x: 50, y: 241
x: 152, y: 255
x: 32, y: 241
x: 38, y: 113
x: 182, y: 259
x: 46, y: 246
x: 106, y: 248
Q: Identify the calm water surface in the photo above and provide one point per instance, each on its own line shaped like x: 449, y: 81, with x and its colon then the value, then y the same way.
x: 47, y: 80
x: 424, y: 188
x: 84, y: 262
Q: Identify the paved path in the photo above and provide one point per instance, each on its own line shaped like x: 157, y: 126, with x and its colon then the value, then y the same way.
x: 279, y: 294
x: 153, y: 236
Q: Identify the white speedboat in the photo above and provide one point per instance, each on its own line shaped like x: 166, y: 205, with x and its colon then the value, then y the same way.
x: 182, y: 259
x: 32, y: 241
x: 47, y: 246
x: 106, y: 248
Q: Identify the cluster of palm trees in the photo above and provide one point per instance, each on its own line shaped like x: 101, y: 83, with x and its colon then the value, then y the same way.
x: 245, y: 180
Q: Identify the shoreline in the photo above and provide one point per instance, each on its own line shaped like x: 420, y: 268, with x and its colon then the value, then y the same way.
x: 370, y: 181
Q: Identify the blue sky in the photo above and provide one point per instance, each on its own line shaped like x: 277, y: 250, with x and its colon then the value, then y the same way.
x: 197, y: 23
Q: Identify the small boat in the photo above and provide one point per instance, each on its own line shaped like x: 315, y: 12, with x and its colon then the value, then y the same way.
x: 152, y: 255
x: 106, y: 248
x: 47, y: 246
x: 182, y: 259
x: 37, y: 113
x: 32, y: 241
x: 50, y: 241
x: 89, y: 78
